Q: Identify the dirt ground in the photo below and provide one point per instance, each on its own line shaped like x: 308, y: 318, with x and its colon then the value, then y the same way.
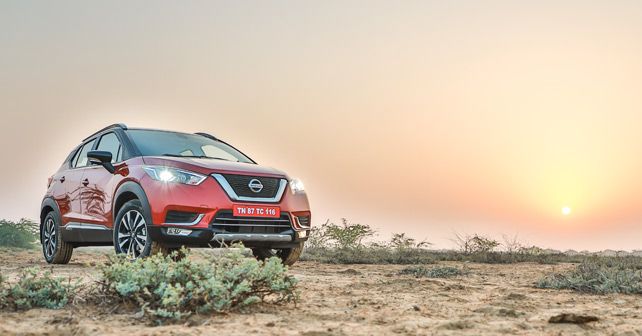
x: 354, y: 300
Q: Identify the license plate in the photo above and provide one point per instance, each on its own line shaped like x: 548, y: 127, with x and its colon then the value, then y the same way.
x: 256, y: 211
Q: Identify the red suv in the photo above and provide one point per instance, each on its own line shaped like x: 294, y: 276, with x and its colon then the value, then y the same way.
x: 146, y: 191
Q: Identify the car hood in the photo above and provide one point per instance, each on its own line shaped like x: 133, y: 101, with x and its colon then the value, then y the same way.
x: 209, y: 166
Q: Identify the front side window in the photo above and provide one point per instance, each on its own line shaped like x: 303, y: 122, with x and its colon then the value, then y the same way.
x: 109, y: 143
x: 163, y: 143
x: 81, y: 158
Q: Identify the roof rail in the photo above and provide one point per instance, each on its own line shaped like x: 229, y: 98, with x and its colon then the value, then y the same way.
x: 121, y: 126
x: 209, y: 136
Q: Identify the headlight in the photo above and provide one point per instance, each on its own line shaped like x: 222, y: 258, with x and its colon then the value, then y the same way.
x: 166, y: 174
x: 296, y: 186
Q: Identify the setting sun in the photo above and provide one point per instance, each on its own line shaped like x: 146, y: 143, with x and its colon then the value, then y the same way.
x: 566, y: 211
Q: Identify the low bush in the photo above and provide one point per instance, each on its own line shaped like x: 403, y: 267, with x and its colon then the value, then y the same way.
x: 166, y: 289
x: 35, y: 289
x: 599, y: 276
x: 435, y: 272
x: 20, y: 234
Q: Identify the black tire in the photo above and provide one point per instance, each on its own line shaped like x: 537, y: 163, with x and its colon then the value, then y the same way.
x: 55, y: 250
x: 288, y: 256
x: 130, y: 232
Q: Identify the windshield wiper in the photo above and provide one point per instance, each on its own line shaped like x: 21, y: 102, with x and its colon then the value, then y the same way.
x: 197, y: 157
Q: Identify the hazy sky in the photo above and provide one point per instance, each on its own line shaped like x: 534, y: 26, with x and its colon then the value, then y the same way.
x: 426, y: 117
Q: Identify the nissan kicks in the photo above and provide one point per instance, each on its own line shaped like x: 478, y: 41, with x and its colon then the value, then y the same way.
x: 148, y: 191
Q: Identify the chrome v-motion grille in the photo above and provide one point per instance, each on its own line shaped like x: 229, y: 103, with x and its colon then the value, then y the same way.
x: 249, y: 188
x: 241, y: 185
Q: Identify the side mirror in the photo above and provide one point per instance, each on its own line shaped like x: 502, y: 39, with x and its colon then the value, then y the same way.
x: 102, y: 158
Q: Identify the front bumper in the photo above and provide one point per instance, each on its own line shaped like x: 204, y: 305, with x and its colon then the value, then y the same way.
x: 214, y: 224
x: 198, y: 237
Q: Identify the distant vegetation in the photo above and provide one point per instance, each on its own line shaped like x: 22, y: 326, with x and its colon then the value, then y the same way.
x: 350, y: 243
x: 21, y: 234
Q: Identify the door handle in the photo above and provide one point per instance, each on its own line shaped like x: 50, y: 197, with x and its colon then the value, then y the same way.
x: 85, y: 182
x: 62, y: 179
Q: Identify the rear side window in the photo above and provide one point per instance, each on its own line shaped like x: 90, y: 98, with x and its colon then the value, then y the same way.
x: 81, y: 157
x: 109, y: 143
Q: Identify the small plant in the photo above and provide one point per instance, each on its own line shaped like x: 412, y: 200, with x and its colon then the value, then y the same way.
x: 435, y: 272
x: 35, y: 289
x: 475, y: 244
x: 401, y: 241
x: 347, y: 235
x: 168, y: 289
x: 599, y: 276
x: 20, y: 234
x: 318, y: 238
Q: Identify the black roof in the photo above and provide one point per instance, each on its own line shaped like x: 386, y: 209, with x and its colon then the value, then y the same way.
x: 121, y: 126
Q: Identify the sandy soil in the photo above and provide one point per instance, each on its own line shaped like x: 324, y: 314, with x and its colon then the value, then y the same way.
x: 355, y: 300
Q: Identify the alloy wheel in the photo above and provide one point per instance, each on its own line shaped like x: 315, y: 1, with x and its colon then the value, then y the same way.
x: 132, y: 234
x: 50, y: 239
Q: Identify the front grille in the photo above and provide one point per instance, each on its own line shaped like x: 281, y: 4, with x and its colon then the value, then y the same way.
x: 239, y: 184
x: 225, y: 222
x: 180, y: 217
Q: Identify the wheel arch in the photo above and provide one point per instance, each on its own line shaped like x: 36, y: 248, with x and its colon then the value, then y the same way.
x: 48, y: 205
x: 130, y: 191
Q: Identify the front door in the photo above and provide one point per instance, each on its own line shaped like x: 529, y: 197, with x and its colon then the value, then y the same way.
x: 70, y: 206
x: 98, y: 185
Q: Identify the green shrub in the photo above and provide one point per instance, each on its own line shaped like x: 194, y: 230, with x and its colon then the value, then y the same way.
x: 21, y: 234
x: 35, y: 289
x: 599, y: 276
x: 168, y: 289
x: 435, y: 272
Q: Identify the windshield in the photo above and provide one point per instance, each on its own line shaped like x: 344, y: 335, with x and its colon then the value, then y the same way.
x: 163, y: 143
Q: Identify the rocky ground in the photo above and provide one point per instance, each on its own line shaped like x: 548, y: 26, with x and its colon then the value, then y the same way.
x: 354, y: 300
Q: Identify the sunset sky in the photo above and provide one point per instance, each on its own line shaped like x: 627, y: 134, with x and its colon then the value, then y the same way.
x: 424, y: 117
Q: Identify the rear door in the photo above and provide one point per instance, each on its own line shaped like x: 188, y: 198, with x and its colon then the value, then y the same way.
x: 98, y: 185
